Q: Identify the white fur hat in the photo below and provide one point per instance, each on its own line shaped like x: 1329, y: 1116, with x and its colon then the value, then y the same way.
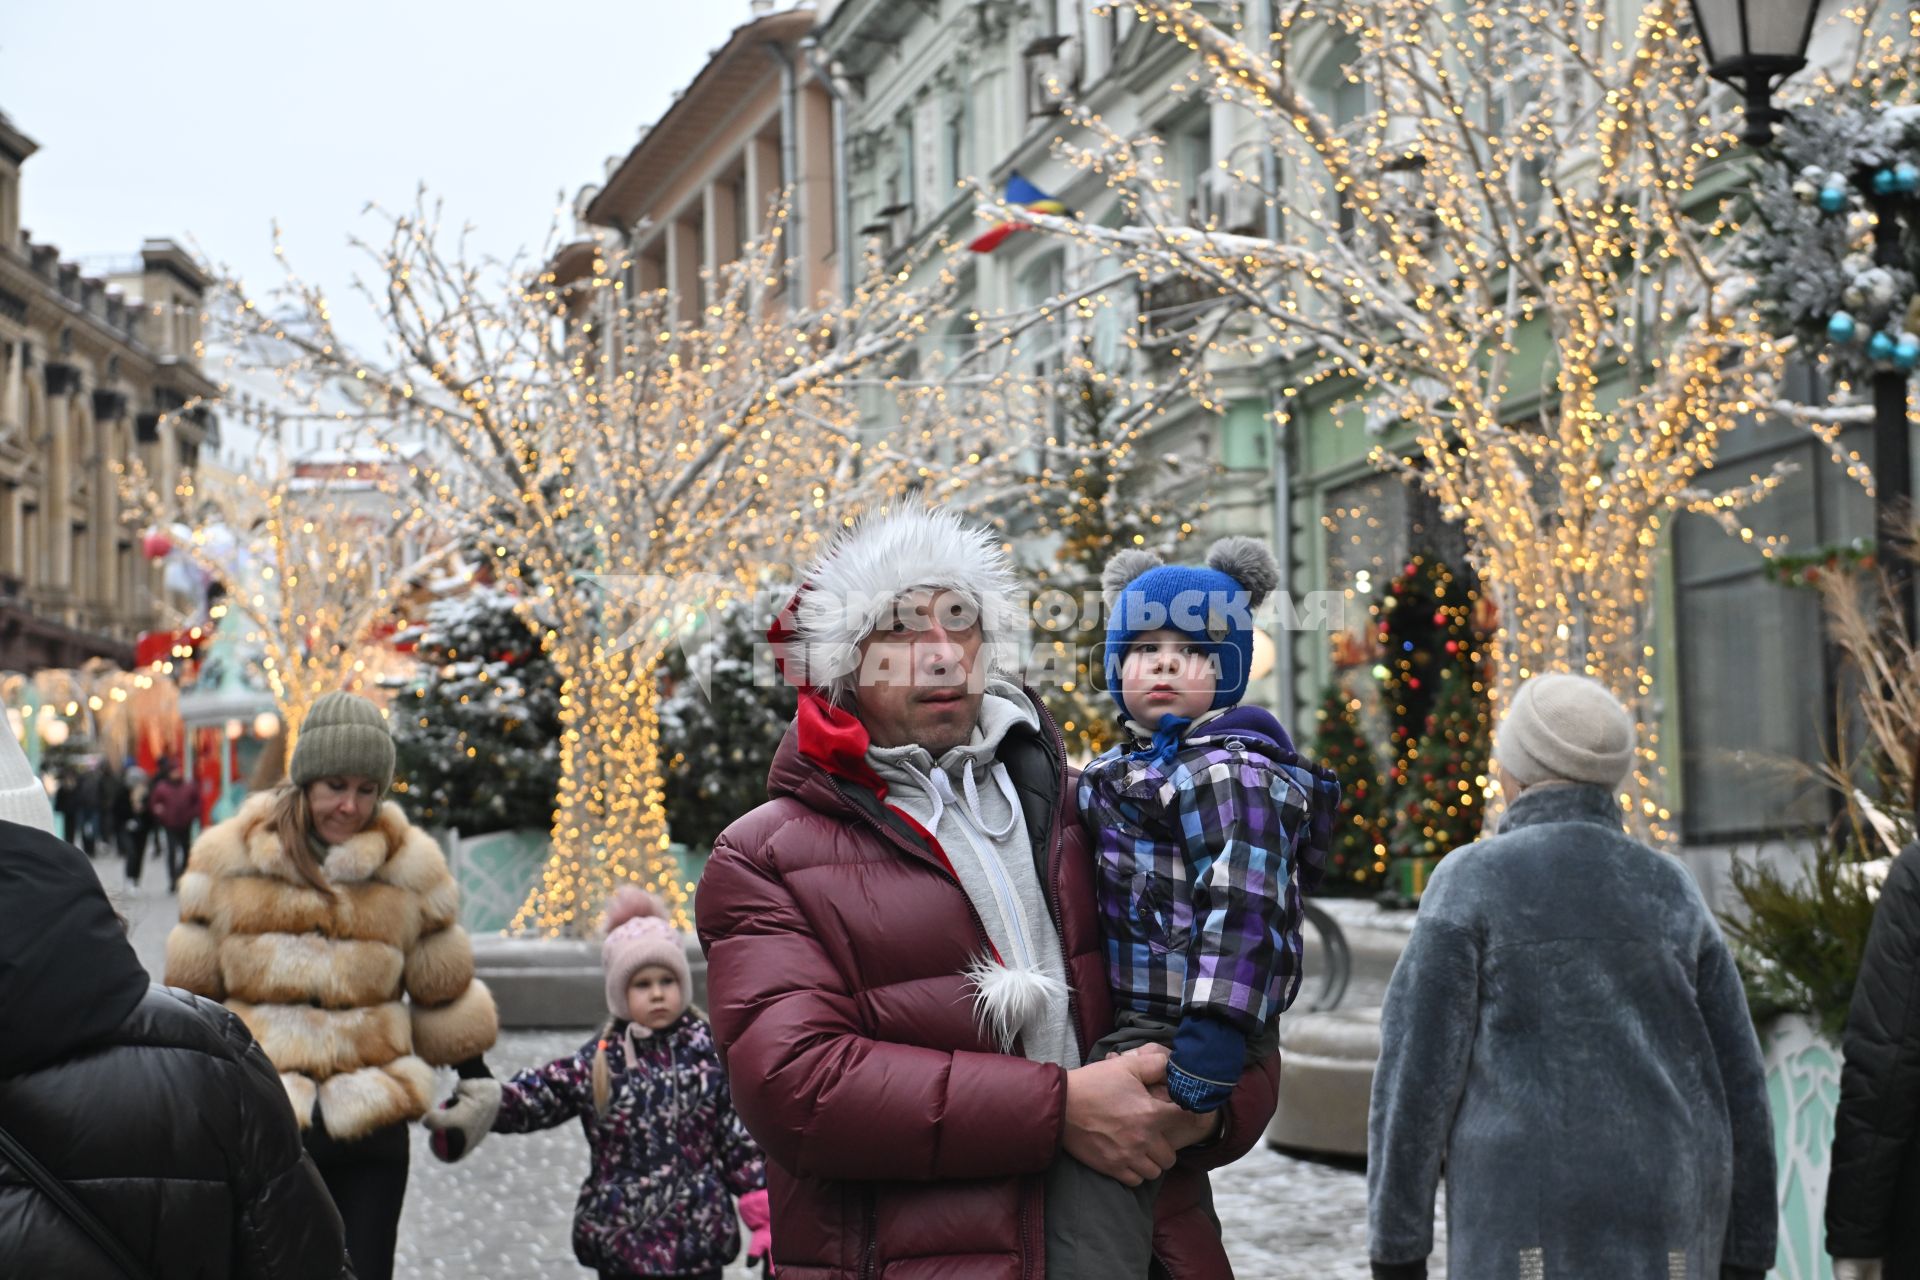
x: 1565, y: 728
x: 886, y: 554
x: 22, y: 797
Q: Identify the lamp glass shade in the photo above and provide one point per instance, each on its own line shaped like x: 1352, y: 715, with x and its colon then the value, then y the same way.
x: 1745, y: 35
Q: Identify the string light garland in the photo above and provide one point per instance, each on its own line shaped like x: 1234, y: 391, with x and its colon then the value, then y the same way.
x: 1520, y: 252
x: 632, y: 460
x: 310, y: 569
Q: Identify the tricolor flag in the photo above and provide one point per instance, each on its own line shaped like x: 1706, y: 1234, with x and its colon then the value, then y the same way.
x: 1027, y: 196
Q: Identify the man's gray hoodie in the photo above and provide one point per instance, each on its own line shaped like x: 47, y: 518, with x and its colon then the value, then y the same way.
x: 967, y: 801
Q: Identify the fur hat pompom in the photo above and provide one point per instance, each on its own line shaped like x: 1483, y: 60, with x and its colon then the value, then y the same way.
x: 640, y: 932
x: 1249, y: 562
x: 630, y: 902
x: 1122, y: 569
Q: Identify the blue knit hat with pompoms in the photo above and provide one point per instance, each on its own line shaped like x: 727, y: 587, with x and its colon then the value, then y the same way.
x: 1211, y: 604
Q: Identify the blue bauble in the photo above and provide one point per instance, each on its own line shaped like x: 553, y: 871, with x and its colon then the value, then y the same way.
x: 1880, y: 347
x: 1841, y: 328
x: 1884, y: 183
x: 1906, y: 177
x: 1906, y: 353
x: 1833, y: 199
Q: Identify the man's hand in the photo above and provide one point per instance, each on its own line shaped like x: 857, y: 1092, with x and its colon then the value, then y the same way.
x: 1113, y: 1126
x: 1184, y: 1128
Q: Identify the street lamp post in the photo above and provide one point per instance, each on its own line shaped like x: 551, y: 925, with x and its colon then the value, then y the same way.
x: 1753, y: 45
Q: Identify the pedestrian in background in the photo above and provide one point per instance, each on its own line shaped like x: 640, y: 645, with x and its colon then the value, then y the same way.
x: 312, y: 912
x: 1567, y: 1034
x: 86, y: 806
x: 1873, y: 1190
x: 66, y: 804
x: 150, y: 1111
x: 175, y: 804
x: 133, y: 820
x: 668, y: 1151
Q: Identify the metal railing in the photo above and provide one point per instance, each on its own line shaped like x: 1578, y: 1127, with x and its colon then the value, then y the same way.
x: 1336, y: 959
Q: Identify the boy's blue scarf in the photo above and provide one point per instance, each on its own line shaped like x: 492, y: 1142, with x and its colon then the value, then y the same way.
x: 1164, y: 741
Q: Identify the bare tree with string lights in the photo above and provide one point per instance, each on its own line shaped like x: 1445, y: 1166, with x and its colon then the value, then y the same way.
x: 628, y: 468
x: 313, y: 563
x: 1535, y: 176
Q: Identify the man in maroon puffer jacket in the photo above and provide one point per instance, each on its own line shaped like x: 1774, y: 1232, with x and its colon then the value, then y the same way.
x: 904, y: 956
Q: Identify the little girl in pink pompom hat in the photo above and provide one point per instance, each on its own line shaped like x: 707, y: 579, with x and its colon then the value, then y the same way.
x: 669, y: 1152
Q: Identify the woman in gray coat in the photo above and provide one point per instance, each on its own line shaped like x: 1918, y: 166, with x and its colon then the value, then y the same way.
x: 1567, y: 1035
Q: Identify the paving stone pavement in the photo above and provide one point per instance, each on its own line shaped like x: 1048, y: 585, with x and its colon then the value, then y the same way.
x: 506, y: 1212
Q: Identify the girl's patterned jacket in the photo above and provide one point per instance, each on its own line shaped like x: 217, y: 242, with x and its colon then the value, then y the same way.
x: 667, y: 1158
x: 1201, y: 860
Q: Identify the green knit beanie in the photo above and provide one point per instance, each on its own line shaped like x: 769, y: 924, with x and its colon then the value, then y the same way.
x: 343, y: 735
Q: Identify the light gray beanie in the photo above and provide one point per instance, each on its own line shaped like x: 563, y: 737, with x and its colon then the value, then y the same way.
x: 23, y: 798
x: 1565, y: 728
x: 343, y: 735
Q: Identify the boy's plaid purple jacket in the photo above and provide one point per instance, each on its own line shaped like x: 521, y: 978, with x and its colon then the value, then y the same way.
x: 1201, y: 862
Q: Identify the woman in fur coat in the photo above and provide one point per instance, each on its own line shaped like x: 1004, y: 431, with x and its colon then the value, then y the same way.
x: 1566, y: 1035
x: 328, y: 923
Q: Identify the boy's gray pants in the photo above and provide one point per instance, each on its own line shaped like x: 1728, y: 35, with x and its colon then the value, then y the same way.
x: 1098, y: 1228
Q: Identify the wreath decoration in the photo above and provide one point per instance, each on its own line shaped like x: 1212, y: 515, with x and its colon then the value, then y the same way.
x: 1812, y: 255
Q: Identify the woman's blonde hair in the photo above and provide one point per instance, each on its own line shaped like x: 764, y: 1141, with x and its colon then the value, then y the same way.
x: 292, y: 821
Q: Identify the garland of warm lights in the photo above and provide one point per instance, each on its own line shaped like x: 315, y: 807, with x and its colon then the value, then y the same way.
x: 1514, y: 252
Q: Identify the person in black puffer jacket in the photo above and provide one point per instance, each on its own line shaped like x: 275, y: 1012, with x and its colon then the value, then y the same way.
x: 154, y: 1106
x: 1873, y: 1192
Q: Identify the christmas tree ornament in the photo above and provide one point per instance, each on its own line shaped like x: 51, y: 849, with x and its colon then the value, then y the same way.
x: 1906, y: 352
x: 1842, y: 327
x: 1832, y: 198
x: 1805, y: 192
x: 1906, y: 177
x: 1880, y: 347
x: 1878, y: 287
x: 1884, y: 183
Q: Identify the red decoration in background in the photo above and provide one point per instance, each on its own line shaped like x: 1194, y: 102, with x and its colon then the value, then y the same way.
x: 155, y: 545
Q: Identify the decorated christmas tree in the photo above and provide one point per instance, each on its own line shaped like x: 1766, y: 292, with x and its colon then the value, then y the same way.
x: 477, y: 735
x: 1411, y: 621
x: 1434, y: 688
x: 1358, y: 861
x: 1440, y: 803
x: 723, y: 711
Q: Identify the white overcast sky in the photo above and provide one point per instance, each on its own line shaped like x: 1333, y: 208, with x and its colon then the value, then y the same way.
x: 205, y: 120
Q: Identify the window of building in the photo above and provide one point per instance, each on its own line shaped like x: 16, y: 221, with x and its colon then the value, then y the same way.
x: 1515, y: 121
x: 1373, y: 524
x: 900, y: 175
x: 1758, y: 682
x: 1043, y: 351
x: 953, y: 145
x: 1337, y: 88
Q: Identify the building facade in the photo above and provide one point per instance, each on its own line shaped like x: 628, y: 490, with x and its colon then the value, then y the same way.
x: 92, y: 370
x: 943, y: 92
x: 702, y: 181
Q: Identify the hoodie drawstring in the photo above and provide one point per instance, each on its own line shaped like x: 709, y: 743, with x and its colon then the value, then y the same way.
x: 966, y: 807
